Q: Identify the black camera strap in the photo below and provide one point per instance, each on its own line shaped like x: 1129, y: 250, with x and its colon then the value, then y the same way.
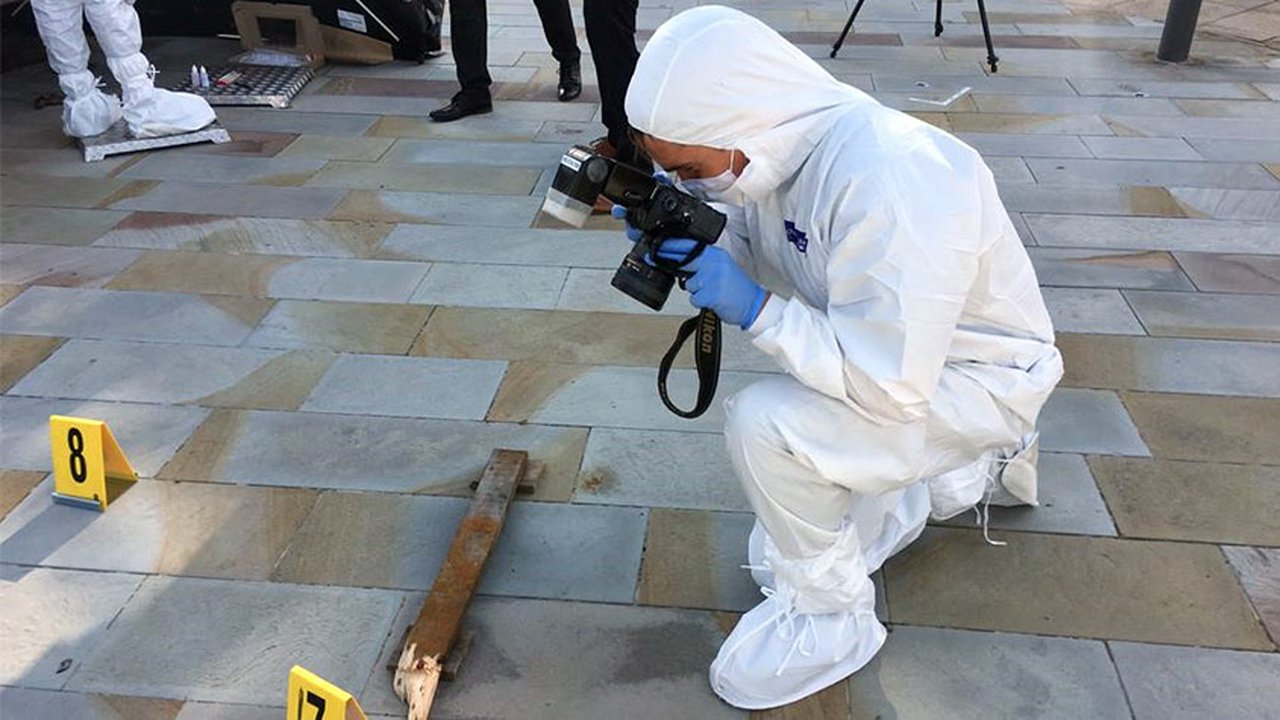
x: 706, y: 354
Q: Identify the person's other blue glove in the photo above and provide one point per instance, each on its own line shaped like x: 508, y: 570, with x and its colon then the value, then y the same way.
x: 717, y: 283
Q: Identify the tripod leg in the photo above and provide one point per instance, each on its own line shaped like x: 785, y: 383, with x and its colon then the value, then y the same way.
x: 986, y: 32
x: 847, y: 26
x: 937, y: 21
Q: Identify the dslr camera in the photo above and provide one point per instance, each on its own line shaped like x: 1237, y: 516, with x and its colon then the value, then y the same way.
x: 657, y: 210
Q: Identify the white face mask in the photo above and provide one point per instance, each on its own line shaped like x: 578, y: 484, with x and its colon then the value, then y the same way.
x: 716, y: 189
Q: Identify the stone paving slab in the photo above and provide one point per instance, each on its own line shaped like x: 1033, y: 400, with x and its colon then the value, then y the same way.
x: 1066, y: 267
x: 1208, y: 315
x: 1156, y: 88
x: 694, y: 559
x: 29, y: 703
x: 1090, y: 310
x: 15, y: 485
x: 120, y: 315
x: 351, y: 452
x: 1015, y: 145
x: 193, y: 529
x: 1197, y: 502
x: 659, y: 469
x: 1068, y: 171
x: 228, y: 170
x: 1170, y: 682
x: 242, y: 235
x: 437, y: 208
x: 506, y: 246
x: 934, y: 672
x: 490, y: 128
x: 348, y: 280
x: 19, y: 354
x: 1195, y: 127
x: 37, y: 640
x: 1208, y: 428
x: 1139, y: 200
x: 579, y: 660
x: 1053, y: 585
x: 503, y: 154
x: 436, y: 177
x: 55, y: 226
x: 1211, y: 367
x: 1237, y: 150
x: 407, y: 387
x: 1232, y: 273
x: 148, y: 434
x: 1075, y: 105
x: 554, y: 551
x: 345, y: 327
x: 1069, y: 503
x: 248, y: 635
x: 244, y: 143
x: 1170, y: 234
x: 67, y: 192
x: 326, y: 147
x: 1137, y: 148
x: 1257, y: 569
x: 305, y: 123
x: 506, y: 286
x: 1088, y: 421
x: 250, y: 200
x: 1228, y: 204
x: 60, y: 266
x: 589, y: 290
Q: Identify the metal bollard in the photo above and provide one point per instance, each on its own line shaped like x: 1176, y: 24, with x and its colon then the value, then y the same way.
x: 1179, y: 27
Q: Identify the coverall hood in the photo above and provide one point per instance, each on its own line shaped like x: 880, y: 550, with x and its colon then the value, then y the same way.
x: 718, y: 77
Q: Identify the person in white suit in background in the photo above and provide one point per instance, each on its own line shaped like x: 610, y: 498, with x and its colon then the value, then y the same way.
x: 905, y: 312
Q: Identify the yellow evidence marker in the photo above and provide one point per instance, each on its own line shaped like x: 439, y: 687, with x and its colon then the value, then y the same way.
x: 311, y: 697
x: 89, y: 468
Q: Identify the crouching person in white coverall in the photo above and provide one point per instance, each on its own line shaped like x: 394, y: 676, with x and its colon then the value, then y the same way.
x: 915, y: 340
x: 87, y: 111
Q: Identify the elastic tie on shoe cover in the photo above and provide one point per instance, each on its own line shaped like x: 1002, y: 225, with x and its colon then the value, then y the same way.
x: 984, y: 513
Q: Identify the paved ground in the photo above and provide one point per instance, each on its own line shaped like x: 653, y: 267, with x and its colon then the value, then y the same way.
x: 309, y: 340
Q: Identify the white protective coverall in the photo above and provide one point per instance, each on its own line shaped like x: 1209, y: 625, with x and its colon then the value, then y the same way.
x: 87, y: 111
x: 916, y: 343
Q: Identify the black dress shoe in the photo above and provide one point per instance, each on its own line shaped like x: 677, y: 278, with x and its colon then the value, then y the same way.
x: 570, y: 81
x: 460, y: 107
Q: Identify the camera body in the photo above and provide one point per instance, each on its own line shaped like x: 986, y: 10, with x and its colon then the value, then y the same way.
x: 656, y: 209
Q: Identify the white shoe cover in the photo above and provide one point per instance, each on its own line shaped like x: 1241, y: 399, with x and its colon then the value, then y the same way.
x: 956, y: 491
x: 86, y: 110
x: 151, y: 111
x: 755, y: 556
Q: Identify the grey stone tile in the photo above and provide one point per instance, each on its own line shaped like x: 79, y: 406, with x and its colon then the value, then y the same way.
x: 148, y: 434
x: 1108, y: 269
x: 542, y: 111
x: 1154, y: 233
x: 1075, y: 105
x: 1217, y: 107
x: 1137, y: 148
x: 1086, y: 200
x: 221, y: 711
x: 1213, y: 272
x: 1195, y: 127
x: 15, y: 486
x: 249, y: 635
x: 68, y: 192
x: 244, y: 143
x: 969, y: 676
x: 590, y: 290
x: 385, y: 329
x: 527, y: 246
x: 197, y: 529
x: 578, y: 660
x: 1256, y: 568
x: 56, y: 226
x: 408, y: 387
x: 450, y: 178
x: 694, y: 559
x: 1037, y: 124
x: 509, y: 154
x: 1211, y: 367
x: 1208, y: 315
x: 1172, y: 682
x: 1228, y: 204
x: 215, y: 169
x: 659, y: 469
x: 497, y: 211
x: 547, y: 550
x: 1070, y: 171
x: 250, y: 200
x: 1068, y: 585
x: 381, y: 454
x: 241, y: 235
x: 489, y: 128
x: 1069, y: 503
x: 65, y: 162
x: 1088, y: 421
x: 1194, y: 502
x: 1010, y: 170
x: 989, y: 84
x: 1090, y: 310
x: 123, y: 315
x: 29, y: 703
x: 367, y: 149
x: 43, y: 137
x: 61, y: 266
x: 1208, y: 427
x: 509, y: 286
x: 320, y: 103
x: 1237, y: 150
x: 997, y: 144
x: 36, y: 639
x: 1155, y: 88
x: 141, y: 372
x: 270, y: 120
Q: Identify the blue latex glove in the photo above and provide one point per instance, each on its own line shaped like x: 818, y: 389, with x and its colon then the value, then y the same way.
x: 717, y: 283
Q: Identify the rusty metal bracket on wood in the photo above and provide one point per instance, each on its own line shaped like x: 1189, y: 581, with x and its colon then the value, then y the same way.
x: 435, y: 633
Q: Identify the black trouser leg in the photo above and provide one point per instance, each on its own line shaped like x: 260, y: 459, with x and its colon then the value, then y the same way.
x: 470, y: 28
x: 557, y: 25
x: 611, y: 33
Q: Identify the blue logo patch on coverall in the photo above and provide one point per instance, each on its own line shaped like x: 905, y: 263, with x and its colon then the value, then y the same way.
x: 796, y: 236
